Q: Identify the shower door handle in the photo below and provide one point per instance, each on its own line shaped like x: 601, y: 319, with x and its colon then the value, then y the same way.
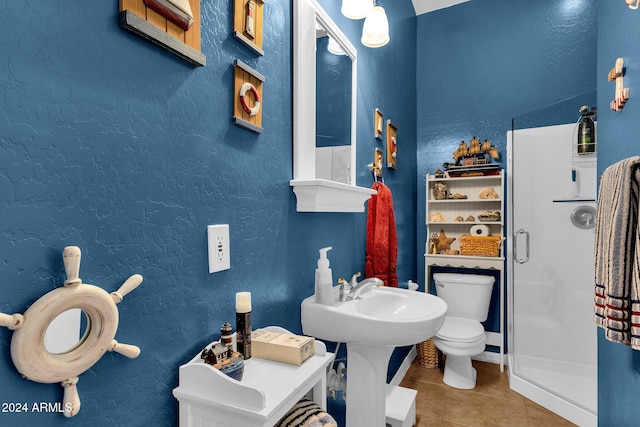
x: 515, y: 246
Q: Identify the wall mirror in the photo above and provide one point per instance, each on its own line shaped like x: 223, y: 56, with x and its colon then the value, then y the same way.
x: 324, y: 118
x: 66, y: 331
x: 333, y: 109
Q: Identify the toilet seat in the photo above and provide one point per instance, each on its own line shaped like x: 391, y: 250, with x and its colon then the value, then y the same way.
x: 460, y: 330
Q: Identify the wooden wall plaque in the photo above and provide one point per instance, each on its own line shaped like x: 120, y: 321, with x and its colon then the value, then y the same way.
x: 247, y: 97
x: 146, y: 23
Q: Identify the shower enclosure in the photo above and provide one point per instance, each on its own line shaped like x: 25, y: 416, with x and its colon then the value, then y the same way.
x: 552, y: 342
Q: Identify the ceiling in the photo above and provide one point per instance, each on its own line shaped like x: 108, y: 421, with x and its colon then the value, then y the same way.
x: 425, y: 6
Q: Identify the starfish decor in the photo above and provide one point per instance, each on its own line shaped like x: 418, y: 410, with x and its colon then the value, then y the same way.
x: 443, y: 243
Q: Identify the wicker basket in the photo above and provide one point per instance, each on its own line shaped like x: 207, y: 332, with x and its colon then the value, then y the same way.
x: 480, y: 245
x: 428, y: 354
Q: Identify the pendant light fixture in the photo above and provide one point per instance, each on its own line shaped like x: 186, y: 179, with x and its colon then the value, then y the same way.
x: 334, y: 47
x: 356, y: 9
x: 375, y: 31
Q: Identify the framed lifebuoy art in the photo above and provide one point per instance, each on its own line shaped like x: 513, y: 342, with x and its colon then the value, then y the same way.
x: 392, y: 145
x: 247, y: 97
x: 173, y: 25
x: 247, y: 23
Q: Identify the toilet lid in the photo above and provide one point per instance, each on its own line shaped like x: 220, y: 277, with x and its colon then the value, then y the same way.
x: 460, y: 330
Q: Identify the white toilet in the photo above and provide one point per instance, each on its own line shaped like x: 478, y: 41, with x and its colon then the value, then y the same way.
x: 462, y: 336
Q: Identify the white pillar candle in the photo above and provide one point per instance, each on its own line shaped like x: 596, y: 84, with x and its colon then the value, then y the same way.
x: 243, y: 302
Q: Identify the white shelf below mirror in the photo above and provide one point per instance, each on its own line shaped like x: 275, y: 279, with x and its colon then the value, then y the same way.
x: 320, y: 195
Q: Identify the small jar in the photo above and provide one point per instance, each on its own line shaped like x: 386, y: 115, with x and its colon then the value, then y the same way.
x: 440, y: 191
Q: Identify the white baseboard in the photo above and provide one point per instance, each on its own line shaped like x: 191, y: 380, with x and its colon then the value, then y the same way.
x: 404, y: 367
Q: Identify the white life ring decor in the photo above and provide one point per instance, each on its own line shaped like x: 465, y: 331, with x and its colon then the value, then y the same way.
x: 28, y: 351
x: 246, y: 87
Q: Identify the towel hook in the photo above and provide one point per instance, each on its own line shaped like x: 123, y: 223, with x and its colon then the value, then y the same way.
x: 376, y: 166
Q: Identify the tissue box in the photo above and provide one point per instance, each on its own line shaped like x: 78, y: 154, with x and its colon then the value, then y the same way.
x: 280, y: 347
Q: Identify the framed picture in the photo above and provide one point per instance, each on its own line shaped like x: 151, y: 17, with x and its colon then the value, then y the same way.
x: 173, y: 25
x: 247, y: 96
x: 392, y: 145
x: 377, y: 124
x: 247, y: 23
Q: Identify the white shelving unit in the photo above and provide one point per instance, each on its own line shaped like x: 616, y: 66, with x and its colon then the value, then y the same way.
x: 268, y: 390
x: 472, y: 205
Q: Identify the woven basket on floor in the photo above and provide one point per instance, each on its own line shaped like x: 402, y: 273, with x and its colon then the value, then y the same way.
x: 428, y: 354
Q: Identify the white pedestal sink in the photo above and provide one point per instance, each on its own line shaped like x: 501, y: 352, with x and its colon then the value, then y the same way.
x: 372, y: 326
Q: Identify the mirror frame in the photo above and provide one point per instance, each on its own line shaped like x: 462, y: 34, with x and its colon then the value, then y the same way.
x: 319, y: 195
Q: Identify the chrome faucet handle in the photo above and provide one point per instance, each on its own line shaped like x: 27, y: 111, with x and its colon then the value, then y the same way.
x: 343, y: 288
x: 354, y: 279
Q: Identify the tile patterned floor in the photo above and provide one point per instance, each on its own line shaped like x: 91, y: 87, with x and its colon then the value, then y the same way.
x: 490, y: 403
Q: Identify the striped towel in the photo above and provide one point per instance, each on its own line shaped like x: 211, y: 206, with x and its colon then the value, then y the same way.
x: 306, y: 413
x: 617, y: 253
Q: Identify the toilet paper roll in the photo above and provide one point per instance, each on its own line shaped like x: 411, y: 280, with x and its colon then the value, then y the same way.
x: 479, y: 230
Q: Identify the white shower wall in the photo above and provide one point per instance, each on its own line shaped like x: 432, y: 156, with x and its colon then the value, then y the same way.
x: 552, y: 336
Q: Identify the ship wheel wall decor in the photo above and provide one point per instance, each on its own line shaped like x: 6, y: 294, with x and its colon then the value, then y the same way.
x: 28, y: 351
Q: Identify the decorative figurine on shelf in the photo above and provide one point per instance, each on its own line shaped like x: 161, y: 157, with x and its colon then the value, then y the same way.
x: 475, y: 154
x: 221, y: 356
x: 443, y: 243
x: 437, y: 217
x: 490, y: 216
x: 440, y: 191
x: 488, y: 193
x: 224, y: 359
x: 433, y: 249
x: 459, y: 218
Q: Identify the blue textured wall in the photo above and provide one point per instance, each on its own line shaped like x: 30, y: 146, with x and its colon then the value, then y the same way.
x: 483, y: 63
x: 618, y: 36
x: 111, y: 144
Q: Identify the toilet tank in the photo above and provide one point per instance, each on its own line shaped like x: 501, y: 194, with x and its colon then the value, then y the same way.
x: 466, y: 295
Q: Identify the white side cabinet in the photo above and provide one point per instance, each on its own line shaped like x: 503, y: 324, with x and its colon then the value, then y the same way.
x: 209, y: 398
x: 451, y: 208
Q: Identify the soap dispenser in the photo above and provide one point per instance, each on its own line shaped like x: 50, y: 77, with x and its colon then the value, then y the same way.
x: 324, y: 279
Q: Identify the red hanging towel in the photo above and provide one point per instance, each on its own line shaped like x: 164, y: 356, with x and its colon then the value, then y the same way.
x: 382, y: 242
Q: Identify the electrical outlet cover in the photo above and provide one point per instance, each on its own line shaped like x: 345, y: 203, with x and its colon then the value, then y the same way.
x: 218, y: 242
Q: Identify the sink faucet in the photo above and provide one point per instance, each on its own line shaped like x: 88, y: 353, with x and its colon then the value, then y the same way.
x: 352, y: 290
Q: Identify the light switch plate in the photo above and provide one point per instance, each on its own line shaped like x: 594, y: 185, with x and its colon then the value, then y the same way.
x: 219, y: 256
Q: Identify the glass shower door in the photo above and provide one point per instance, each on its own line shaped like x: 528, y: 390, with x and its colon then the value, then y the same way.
x: 552, y: 336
